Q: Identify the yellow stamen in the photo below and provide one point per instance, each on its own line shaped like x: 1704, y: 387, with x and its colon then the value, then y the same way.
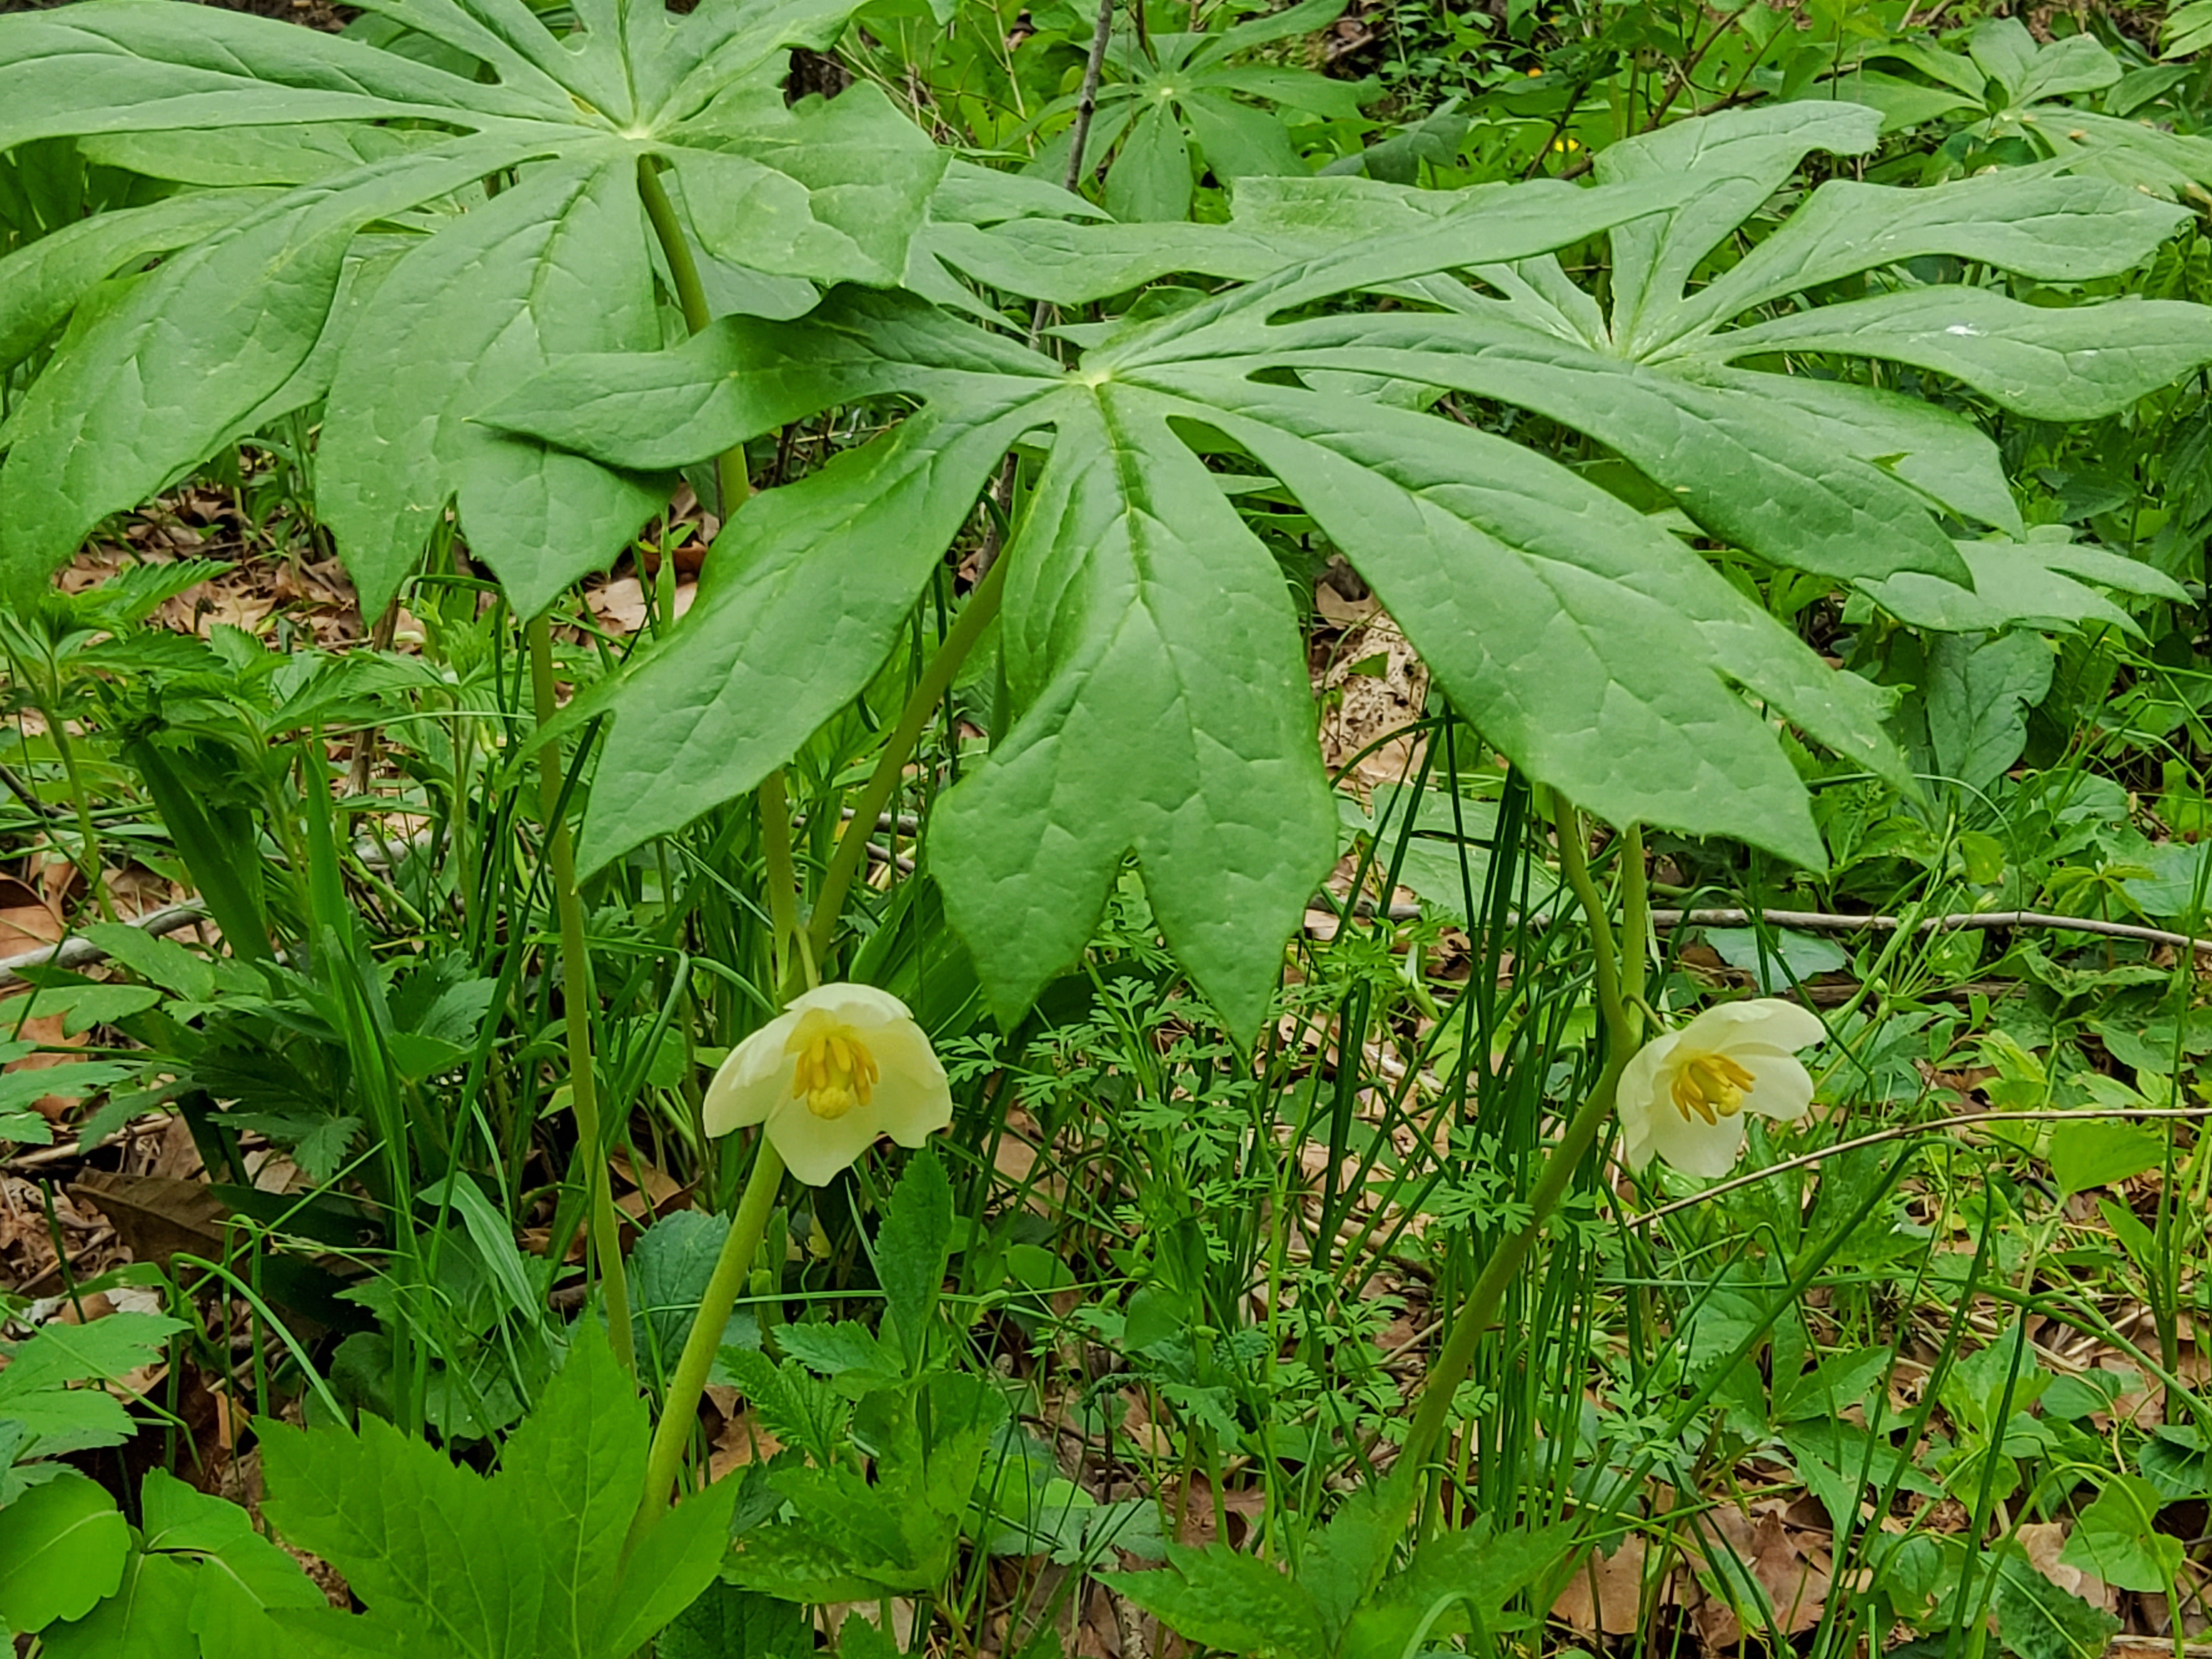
x: 1711, y: 1085
x: 832, y: 1070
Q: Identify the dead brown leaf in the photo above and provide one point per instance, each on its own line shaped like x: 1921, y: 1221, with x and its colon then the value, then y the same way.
x: 158, y: 1217
x: 1606, y: 1596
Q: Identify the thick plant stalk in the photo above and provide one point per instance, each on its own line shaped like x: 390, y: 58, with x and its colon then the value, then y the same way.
x: 691, y: 296
x: 575, y: 998
x: 974, y: 616
x: 782, y: 875
x: 680, y: 1410
x: 1624, y: 1032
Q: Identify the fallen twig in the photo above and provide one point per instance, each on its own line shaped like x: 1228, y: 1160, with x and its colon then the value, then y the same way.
x: 75, y: 952
x: 1822, y: 921
x: 1965, y: 1120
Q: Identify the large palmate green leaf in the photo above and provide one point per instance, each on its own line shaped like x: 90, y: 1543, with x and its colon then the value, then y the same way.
x: 1161, y: 705
x: 1172, y: 104
x: 2006, y: 85
x: 528, y: 1565
x: 509, y: 229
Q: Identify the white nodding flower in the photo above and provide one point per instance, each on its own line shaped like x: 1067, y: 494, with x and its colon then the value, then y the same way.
x: 841, y: 1065
x: 1683, y: 1096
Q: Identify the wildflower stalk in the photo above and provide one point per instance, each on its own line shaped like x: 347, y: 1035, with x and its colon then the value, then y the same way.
x: 936, y: 679
x: 679, y: 1411
x: 691, y: 296
x: 576, y: 1003
x: 1624, y: 1031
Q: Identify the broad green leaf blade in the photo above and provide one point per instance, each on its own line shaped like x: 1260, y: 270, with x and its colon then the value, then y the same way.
x: 729, y: 1621
x: 104, y: 1349
x: 1150, y: 180
x: 2038, y: 1619
x: 2078, y: 64
x: 2003, y: 49
x: 417, y: 1537
x: 1451, y: 1575
x: 1495, y: 227
x: 1945, y: 456
x: 808, y: 586
x: 144, y: 66
x: 2039, y: 581
x: 2074, y: 364
x: 556, y: 265
x: 742, y: 377
x: 62, y: 1549
x: 1307, y: 18
x: 255, y: 155
x: 911, y: 1250
x: 1979, y: 690
x: 1299, y: 89
x: 572, y: 1474
x: 237, y: 1574
x: 148, y: 1617
x: 674, y: 1563
x: 1239, y: 142
x: 40, y: 283
x: 2056, y: 227
x: 2117, y: 1537
x: 1736, y: 161
x: 832, y: 190
x: 486, y: 30
x: 150, y: 388
x: 1074, y: 265
x: 1751, y: 477
x: 1163, y: 710
x: 1221, y: 1599
x: 682, y: 66
x: 1566, y: 626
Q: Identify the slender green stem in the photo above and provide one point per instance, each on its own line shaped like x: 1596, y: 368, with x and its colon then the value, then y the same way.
x: 1574, y: 864
x: 852, y: 847
x: 783, y: 874
x: 576, y: 999
x: 679, y: 1412
x: 1634, y: 919
x: 87, y: 859
x: 691, y: 296
x: 1624, y: 1031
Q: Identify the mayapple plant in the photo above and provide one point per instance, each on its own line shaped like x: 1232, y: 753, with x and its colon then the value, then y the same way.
x: 462, y: 270
x: 404, y: 243
x: 1158, y: 688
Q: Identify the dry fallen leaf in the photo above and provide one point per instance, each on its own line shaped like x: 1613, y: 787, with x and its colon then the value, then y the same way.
x: 157, y: 1216
x: 1606, y: 1596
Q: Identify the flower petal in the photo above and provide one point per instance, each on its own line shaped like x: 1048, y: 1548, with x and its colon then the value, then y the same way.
x: 1767, y: 1022
x: 815, y: 1148
x: 757, y: 1073
x: 1642, y: 1091
x: 863, y: 1007
x: 1693, y: 1145
x: 1781, y: 1087
x: 912, y: 1098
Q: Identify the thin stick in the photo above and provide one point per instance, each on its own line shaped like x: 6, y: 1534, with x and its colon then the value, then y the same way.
x: 1826, y: 921
x: 1965, y: 1121
x: 1822, y: 921
x: 76, y: 952
x: 1086, y: 100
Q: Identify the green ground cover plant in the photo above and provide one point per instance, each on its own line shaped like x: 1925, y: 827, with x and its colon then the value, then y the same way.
x: 905, y: 826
